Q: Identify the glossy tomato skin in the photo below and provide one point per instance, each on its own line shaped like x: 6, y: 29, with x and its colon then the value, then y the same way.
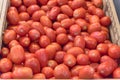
x: 59, y: 56
x: 114, y: 51
x: 32, y: 8
x: 102, y: 48
x: 86, y: 72
x: 7, y: 75
x: 116, y: 73
x: 105, y: 21
x: 68, y: 46
x: 5, y: 51
x: 62, y: 72
x: 52, y: 63
x: 16, y: 3
x: 42, y: 57
x: 34, y: 47
x: 60, y: 17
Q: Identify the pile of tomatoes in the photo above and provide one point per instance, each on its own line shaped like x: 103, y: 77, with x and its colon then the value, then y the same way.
x: 58, y: 39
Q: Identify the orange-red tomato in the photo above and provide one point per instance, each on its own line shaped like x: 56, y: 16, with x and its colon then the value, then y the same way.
x: 94, y: 65
x: 16, y: 3
x: 24, y: 16
x: 116, y: 73
x: 60, y: 30
x: 48, y: 71
x: 22, y: 8
x: 56, y: 25
x: 7, y: 75
x: 5, y: 65
x: 102, y: 48
x: 86, y: 72
x: 29, y: 2
x: 60, y: 17
x: 83, y: 59
x: 32, y: 8
x: 62, y: 2
x: 105, y: 21
x: 24, y: 41
x: 52, y: 64
x: 52, y: 3
x: 97, y: 76
x: 39, y: 76
x: 34, y: 47
x: 99, y: 12
x: 42, y: 57
x: 62, y: 72
x: 4, y: 51
x: 69, y: 60
x: 59, y: 56
x: 94, y: 19
x: 98, y: 3
x: 13, y: 43
x: 75, y: 51
x: 22, y: 73
x: 68, y: 46
x: 43, y: 2
x: 45, y: 8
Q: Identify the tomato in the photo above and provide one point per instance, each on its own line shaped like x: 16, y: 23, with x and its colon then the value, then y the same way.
x: 114, y: 51
x: 52, y: 3
x: 75, y: 70
x: 79, y: 42
x: 56, y: 25
x: 51, y: 51
x: 31, y: 9
x: 42, y: 57
x: 12, y: 8
x: 83, y: 59
x: 37, y: 14
x: 22, y: 8
x: 43, y: 2
x: 24, y: 16
x: 7, y: 75
x: 94, y: 19
x: 61, y: 71
x: 91, y: 9
x: 13, y: 17
x: 56, y: 46
x: 34, y: 64
x: 24, y: 41
x: 60, y: 17
x: 29, y: 55
x: 53, y: 13
x: 45, y: 8
x: 38, y: 26
x: 75, y: 51
x: 23, y: 29
x: 97, y: 76
x: 48, y: 71
x: 77, y: 4
x: 45, y: 21
x: 67, y: 10
x: 68, y: 46
x: 98, y: 3
x: 94, y: 65
x: 94, y: 55
x: 62, y: 2
x: 29, y: 2
x: 116, y: 73
x: 34, y: 34
x: 16, y: 3
x: 94, y: 27
x: 102, y: 48
x: 105, y: 68
x: 22, y: 73
x: 69, y: 60
x: 99, y: 36
x: 44, y: 41
x: 52, y: 64
x: 75, y: 77
x: 62, y: 38
x: 34, y: 47
x: 79, y: 13
x: 5, y: 65
x: 99, y: 12
x: 105, y: 21
x: 82, y: 23
x: 59, y: 56
x: 60, y: 30
x: 39, y: 76
x: 70, y: 38
x: 86, y: 72
x: 13, y: 43
x: 66, y: 23
x: 90, y: 42
x: 75, y: 30
x: 17, y: 54
x: 5, y: 51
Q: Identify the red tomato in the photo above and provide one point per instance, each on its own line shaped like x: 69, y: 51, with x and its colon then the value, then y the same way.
x: 48, y: 71
x: 102, y: 48
x: 52, y: 64
x: 94, y: 55
x: 5, y: 65
x: 114, y: 51
x: 13, y: 43
x: 94, y: 65
x: 16, y: 3
x: 29, y: 2
x: 52, y: 3
x: 62, y: 72
x: 42, y: 57
x: 68, y: 46
x: 60, y: 30
x: 56, y: 25
x: 7, y: 75
x: 97, y: 76
x: 17, y: 54
x: 24, y: 16
x: 59, y: 56
x: 79, y: 42
x: 39, y: 76
x: 75, y: 30
x: 22, y: 8
x: 24, y: 41
x: 34, y: 64
x: 62, y: 39
x: 34, y: 47
x: 32, y: 8
x: 116, y: 73
x: 62, y: 2
x: 75, y: 51
x: 98, y: 3
x: 94, y: 19
x: 99, y: 12
x: 43, y: 2
x: 86, y: 72
x: 105, y: 21
x: 22, y: 73
x: 69, y: 60
x: 60, y: 17
x: 83, y: 59
x: 4, y: 51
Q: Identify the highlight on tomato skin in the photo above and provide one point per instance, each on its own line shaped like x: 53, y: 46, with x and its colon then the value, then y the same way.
x: 58, y: 39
